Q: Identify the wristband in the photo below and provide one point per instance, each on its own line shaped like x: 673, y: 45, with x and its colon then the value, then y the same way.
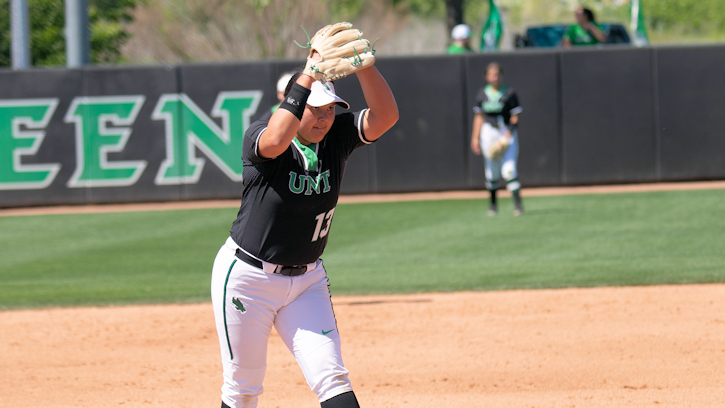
x: 296, y: 100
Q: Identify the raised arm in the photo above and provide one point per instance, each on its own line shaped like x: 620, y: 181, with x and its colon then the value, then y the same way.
x: 383, y: 110
x: 283, y: 125
x: 595, y: 31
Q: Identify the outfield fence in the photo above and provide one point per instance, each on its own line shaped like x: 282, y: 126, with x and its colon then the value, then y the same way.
x: 171, y: 133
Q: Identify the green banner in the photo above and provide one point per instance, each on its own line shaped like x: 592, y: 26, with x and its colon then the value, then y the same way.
x: 491, y: 35
x: 639, y: 30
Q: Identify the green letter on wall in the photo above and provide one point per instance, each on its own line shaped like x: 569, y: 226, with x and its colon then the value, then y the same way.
x: 187, y: 126
x: 16, y: 142
x: 94, y: 140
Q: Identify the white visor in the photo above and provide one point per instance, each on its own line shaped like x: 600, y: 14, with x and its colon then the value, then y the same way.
x: 322, y: 94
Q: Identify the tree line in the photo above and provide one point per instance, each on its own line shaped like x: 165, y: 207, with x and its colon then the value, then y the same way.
x: 193, y: 30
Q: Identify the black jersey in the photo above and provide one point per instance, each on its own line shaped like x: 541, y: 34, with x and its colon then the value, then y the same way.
x: 287, y: 204
x: 497, y: 106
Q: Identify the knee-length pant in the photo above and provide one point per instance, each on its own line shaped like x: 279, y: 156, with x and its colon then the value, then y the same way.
x: 506, y: 166
x: 248, y: 301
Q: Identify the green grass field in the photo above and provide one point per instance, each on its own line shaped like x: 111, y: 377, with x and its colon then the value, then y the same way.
x: 449, y: 245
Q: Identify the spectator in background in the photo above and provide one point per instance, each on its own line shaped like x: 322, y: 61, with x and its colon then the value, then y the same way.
x: 461, y: 40
x: 585, y: 32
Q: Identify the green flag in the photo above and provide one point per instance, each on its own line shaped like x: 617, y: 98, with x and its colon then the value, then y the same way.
x: 491, y: 35
x: 639, y: 31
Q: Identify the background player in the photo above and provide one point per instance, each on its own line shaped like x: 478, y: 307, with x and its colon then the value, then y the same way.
x: 269, y: 271
x: 282, y: 83
x: 496, y: 117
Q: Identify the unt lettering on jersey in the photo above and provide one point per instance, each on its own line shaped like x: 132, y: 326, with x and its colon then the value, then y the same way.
x: 322, y: 181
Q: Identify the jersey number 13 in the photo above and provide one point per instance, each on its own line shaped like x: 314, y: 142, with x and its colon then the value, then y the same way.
x: 323, y: 225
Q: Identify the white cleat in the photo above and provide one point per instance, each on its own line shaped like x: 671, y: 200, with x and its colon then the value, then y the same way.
x: 492, y: 210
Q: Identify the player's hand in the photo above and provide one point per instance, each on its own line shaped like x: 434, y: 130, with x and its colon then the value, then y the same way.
x: 475, y: 147
x: 314, y: 57
x: 498, y: 149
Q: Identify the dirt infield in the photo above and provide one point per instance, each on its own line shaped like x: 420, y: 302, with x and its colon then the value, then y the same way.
x: 658, y: 346
x: 627, y: 347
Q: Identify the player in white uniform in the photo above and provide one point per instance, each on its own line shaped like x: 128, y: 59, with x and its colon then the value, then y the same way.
x: 496, y: 116
x: 269, y: 271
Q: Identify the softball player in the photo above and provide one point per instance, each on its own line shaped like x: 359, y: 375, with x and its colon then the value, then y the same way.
x: 496, y: 116
x: 269, y: 271
x: 281, y: 86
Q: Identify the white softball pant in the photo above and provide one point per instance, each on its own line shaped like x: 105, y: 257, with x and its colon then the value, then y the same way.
x: 248, y: 302
x: 505, y: 167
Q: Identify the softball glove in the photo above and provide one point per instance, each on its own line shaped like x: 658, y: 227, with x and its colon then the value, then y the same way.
x: 499, y: 147
x: 342, y: 52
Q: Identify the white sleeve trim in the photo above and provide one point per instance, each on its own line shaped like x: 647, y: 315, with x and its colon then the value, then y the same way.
x: 256, y: 145
x: 516, y: 110
x: 360, y: 126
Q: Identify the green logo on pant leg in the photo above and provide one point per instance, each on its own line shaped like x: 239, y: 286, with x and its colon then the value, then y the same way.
x: 238, y: 305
